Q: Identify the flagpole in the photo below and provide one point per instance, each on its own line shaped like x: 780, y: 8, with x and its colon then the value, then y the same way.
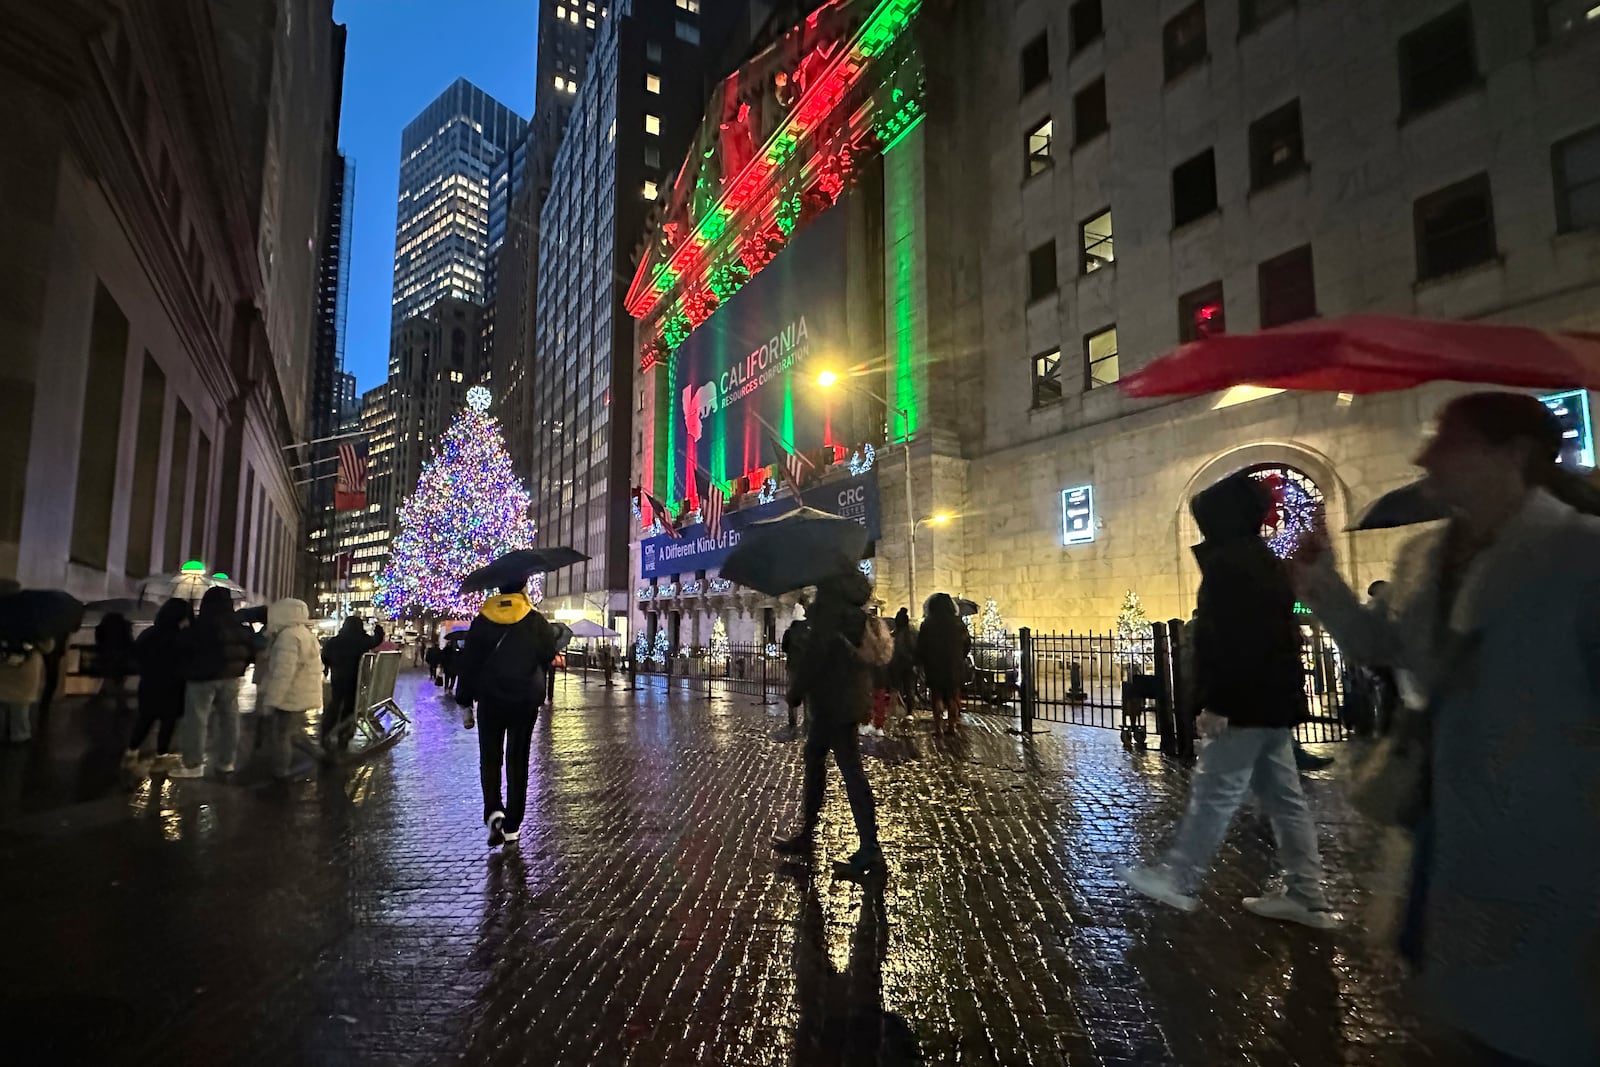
x: 779, y: 438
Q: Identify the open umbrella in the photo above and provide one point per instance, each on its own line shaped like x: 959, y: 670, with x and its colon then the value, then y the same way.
x: 1374, y: 354
x: 39, y: 615
x: 802, y: 548
x: 518, y: 565
x: 457, y: 636
x: 588, y: 628
x: 1405, y: 506
x: 964, y: 607
x: 188, y: 585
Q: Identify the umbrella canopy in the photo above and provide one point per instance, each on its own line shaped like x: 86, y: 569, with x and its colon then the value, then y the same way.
x: 587, y: 628
x: 1405, y: 506
x: 455, y: 635
x: 563, y: 635
x: 185, y: 585
x: 1374, y: 354
x: 252, y: 615
x: 799, y: 549
x: 39, y: 615
x: 517, y: 566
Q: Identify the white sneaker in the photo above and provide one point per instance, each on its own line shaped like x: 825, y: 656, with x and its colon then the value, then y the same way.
x: 496, y: 820
x: 511, y: 836
x: 130, y: 759
x: 226, y: 768
x: 1157, y: 884
x: 1283, y: 908
x: 183, y: 770
x: 466, y: 718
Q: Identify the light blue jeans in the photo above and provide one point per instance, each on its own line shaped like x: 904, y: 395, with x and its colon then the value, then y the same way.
x: 18, y: 721
x: 203, y: 703
x: 1228, y: 766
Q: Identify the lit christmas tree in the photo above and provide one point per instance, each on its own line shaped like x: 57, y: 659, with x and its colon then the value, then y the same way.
x: 663, y: 648
x: 989, y: 626
x: 719, y: 643
x: 467, y: 509
x: 1133, y: 626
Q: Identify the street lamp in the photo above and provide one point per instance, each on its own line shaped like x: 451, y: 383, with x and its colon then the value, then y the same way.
x: 827, y: 379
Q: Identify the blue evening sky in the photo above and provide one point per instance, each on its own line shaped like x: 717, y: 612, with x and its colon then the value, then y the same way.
x: 400, y: 55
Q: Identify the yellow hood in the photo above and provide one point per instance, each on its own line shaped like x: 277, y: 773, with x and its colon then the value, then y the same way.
x: 507, y: 608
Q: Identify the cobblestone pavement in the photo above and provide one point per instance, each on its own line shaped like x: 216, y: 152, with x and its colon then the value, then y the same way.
x: 357, y: 917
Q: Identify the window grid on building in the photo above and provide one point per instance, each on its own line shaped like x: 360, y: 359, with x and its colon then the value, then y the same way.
x: 1100, y: 364
x: 1098, y: 248
x: 1575, y: 164
x: 1038, y: 146
x: 1047, y: 378
x: 1455, y: 228
x: 1438, y: 61
x: 1287, y: 286
x: 1183, y: 40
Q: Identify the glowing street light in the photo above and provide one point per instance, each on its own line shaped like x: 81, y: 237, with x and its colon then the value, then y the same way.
x: 827, y: 379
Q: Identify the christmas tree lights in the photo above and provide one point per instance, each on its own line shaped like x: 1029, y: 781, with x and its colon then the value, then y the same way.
x: 468, y: 508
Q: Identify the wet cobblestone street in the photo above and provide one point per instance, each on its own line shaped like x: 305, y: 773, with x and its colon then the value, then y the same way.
x: 357, y: 916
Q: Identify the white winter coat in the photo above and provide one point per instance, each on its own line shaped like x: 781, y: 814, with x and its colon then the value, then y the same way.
x: 291, y: 678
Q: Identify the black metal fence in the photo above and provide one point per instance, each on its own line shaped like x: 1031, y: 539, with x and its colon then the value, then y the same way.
x: 1132, y: 685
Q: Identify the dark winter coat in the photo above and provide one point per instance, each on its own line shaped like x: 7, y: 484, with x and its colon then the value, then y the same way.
x: 1247, y: 647
x: 113, y: 646
x: 343, y: 651
x: 159, y: 655
x: 217, y: 646
x: 830, y: 678
x: 505, y: 660
x: 903, y: 667
x: 943, y: 645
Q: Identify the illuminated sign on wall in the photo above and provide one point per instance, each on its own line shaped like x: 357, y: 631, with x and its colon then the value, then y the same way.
x: 1077, y: 515
x: 1572, y: 412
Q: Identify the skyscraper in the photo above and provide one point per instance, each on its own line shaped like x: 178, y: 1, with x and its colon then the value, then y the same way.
x: 447, y: 158
x: 518, y: 190
x: 630, y: 123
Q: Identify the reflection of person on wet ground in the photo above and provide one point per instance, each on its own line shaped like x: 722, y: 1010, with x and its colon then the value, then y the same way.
x: 841, y: 1015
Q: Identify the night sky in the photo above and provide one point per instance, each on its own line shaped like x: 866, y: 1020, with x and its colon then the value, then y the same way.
x: 401, y: 54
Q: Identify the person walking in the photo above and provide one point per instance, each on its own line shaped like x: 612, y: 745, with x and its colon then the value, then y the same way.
x: 1495, y: 619
x: 342, y: 658
x: 113, y: 655
x: 504, y: 664
x: 217, y: 649
x: 450, y: 663
x: 903, y: 665
x: 1249, y: 687
x: 943, y: 645
x: 158, y: 653
x: 794, y: 645
x: 833, y: 678
x: 22, y: 678
x: 289, y: 682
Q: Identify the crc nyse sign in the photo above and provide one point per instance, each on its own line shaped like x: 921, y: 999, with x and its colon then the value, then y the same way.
x: 1077, y: 515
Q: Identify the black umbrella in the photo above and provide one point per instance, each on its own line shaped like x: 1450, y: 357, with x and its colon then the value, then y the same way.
x: 455, y: 635
x: 39, y: 614
x: 799, y: 549
x: 964, y: 607
x: 131, y: 609
x: 517, y: 566
x: 1406, y: 506
x: 252, y: 615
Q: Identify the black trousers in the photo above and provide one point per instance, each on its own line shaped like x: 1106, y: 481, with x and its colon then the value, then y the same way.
x: 341, y: 706
x: 151, y: 712
x: 505, y: 735
x: 841, y: 740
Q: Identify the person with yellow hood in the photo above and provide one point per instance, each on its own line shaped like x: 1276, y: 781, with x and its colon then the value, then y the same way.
x: 503, y: 667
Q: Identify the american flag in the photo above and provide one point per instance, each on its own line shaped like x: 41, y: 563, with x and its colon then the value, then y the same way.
x: 712, y: 511
x: 665, y: 517
x: 350, y: 484
x: 791, y: 465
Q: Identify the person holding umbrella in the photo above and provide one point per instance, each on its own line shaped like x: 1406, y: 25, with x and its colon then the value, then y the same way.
x: 834, y: 677
x: 1496, y: 619
x: 503, y: 667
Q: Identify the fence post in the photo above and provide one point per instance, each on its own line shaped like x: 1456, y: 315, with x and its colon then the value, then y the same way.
x: 1025, y: 678
x: 1165, y: 719
x: 1182, y: 709
x: 711, y: 669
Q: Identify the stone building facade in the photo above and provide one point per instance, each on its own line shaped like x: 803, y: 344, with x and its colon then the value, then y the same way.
x: 160, y: 265
x: 1097, y: 182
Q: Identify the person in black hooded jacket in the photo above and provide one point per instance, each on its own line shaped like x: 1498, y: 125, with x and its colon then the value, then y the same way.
x: 217, y: 650
x: 1250, y: 687
x: 158, y: 652
x: 341, y: 655
x: 836, y: 686
x: 502, y: 668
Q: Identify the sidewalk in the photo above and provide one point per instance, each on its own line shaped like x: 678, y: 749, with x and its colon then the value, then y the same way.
x: 357, y: 917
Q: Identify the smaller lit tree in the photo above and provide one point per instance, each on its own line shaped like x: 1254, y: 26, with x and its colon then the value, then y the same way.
x: 1135, y: 635
x: 719, y: 644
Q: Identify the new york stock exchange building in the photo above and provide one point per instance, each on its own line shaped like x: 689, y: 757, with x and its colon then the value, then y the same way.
x: 916, y: 245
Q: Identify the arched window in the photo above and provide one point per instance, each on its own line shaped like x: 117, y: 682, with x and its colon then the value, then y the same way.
x: 1296, y: 501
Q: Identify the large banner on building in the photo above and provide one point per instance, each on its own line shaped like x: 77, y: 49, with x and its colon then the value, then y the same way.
x: 754, y: 363
x: 853, y: 498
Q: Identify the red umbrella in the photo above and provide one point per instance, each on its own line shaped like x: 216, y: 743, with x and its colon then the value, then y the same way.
x: 1374, y: 354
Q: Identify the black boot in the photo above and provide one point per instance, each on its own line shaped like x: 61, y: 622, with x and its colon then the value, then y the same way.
x: 1308, y: 761
x: 867, y: 862
x: 801, y: 844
